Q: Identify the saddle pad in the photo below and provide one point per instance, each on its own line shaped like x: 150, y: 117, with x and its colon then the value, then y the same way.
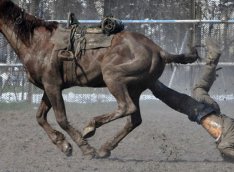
x: 94, y: 41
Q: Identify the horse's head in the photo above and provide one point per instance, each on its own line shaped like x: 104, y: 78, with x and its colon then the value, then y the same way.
x: 1, y: 16
x: 2, y: 6
x: 2, y: 1
x: 20, y: 23
x: 2, y: 9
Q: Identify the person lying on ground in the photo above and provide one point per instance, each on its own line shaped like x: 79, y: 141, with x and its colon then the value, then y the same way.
x: 201, y: 108
x: 220, y: 126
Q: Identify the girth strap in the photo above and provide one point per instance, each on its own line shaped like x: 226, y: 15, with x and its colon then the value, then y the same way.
x: 69, y: 72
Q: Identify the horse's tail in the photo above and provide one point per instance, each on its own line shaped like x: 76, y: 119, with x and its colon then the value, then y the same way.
x: 180, y: 58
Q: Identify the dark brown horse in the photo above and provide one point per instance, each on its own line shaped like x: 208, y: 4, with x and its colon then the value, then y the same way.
x: 132, y: 64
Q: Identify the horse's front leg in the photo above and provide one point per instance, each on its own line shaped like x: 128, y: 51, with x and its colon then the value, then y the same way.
x: 56, y: 137
x: 55, y: 96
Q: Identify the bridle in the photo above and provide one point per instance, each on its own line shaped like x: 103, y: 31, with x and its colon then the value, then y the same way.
x: 19, y: 20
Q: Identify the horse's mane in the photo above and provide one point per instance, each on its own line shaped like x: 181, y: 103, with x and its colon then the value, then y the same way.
x: 23, y: 23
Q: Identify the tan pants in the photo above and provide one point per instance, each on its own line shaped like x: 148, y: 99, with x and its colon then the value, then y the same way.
x: 201, y: 89
x: 208, y: 75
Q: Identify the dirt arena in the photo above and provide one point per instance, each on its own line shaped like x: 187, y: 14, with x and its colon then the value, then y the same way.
x: 166, y: 141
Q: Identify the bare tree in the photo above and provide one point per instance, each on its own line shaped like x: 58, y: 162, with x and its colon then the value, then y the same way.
x: 34, y: 7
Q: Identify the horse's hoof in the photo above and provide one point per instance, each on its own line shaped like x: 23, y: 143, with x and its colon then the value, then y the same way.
x: 67, y: 149
x: 103, y: 153
x: 90, y: 153
x: 88, y: 132
x: 89, y: 156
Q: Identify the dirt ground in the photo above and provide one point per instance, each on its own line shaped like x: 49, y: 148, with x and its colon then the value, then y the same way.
x: 166, y: 141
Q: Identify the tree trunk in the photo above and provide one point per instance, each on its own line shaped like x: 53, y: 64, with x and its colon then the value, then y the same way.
x: 107, y: 10
x: 53, y: 7
x: 34, y: 7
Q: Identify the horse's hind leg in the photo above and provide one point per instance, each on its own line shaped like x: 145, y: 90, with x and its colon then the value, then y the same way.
x: 56, y: 137
x: 55, y: 96
x: 133, y: 121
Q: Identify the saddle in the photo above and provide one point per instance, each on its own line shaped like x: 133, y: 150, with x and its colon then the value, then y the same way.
x: 86, y: 38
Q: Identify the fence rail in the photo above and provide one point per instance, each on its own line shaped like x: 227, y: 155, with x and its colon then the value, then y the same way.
x: 15, y: 87
x: 191, y: 64
x: 157, y: 21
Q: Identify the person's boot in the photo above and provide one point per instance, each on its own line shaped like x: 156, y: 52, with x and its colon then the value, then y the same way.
x: 225, y: 143
x: 221, y: 127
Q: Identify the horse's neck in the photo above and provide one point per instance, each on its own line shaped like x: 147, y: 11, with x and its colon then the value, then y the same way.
x: 37, y: 43
x: 18, y: 46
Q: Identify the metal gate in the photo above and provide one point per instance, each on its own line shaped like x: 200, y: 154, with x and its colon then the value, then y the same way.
x: 14, y: 86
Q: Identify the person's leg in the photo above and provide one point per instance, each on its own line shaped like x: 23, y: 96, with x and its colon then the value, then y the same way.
x: 208, y: 75
x: 220, y: 127
x: 180, y: 102
x: 200, y: 92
